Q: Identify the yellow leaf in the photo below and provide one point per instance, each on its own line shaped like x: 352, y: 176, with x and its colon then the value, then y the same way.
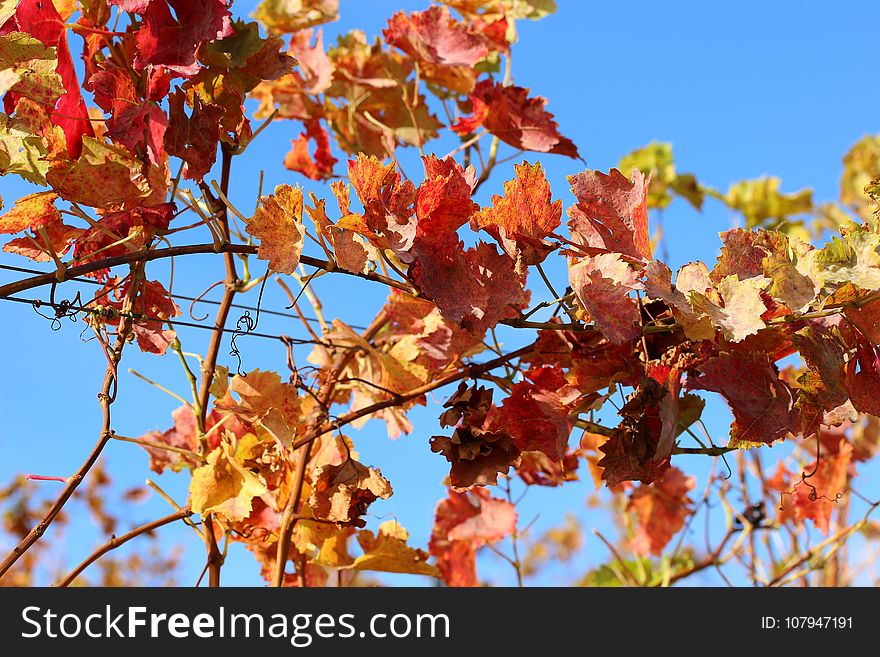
x: 285, y: 16
x: 388, y: 552
x: 223, y: 486
x: 278, y: 225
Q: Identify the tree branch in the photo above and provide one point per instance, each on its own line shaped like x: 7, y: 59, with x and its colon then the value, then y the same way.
x: 209, y: 364
x: 115, y: 542
x: 189, y: 249
x: 114, y: 355
x: 325, y: 396
x: 470, y: 371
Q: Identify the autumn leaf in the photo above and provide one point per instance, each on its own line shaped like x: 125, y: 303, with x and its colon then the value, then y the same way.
x: 278, y: 225
x: 437, y: 342
x: 350, y: 250
x: 33, y: 211
x: 762, y: 404
x: 861, y: 165
x: 104, y: 176
x: 660, y: 509
x: 791, y: 266
x: 603, y: 285
x: 223, y: 486
x: 531, y: 9
x: 183, y: 435
x: 387, y: 551
x: 388, y: 204
x: 342, y: 493
x: 263, y: 399
x: 631, y: 452
x: 54, y: 240
x: 324, y: 544
x: 852, y: 258
x: 822, y: 387
x: 446, y: 49
x: 863, y: 380
x: 135, y: 123
x: 151, y: 307
x: 522, y: 219
x: 29, y: 69
x: 137, y: 226
x: 516, y: 119
x: 154, y: 305
x: 286, y: 16
x: 476, y: 458
x: 172, y: 40
x: 656, y: 162
x: 193, y: 138
x: 816, y: 497
x: 760, y: 200
x: 741, y: 254
x: 536, y: 413
x: 739, y: 312
x: 476, y: 453
x: 443, y: 203
x: 611, y: 214
x: 22, y: 152
x: 463, y: 523
x: 314, y: 72
x: 477, y: 289
x: 692, y: 277
x: 318, y: 166
x: 434, y: 37
x: 42, y: 21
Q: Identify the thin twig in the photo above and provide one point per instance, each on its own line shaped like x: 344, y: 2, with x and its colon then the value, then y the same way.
x: 115, y: 542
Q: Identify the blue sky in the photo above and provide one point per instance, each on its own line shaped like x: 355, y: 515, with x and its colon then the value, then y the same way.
x: 740, y: 90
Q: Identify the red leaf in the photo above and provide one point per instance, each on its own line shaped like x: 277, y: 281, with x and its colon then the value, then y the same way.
x: 193, y: 138
x: 867, y: 319
x: 40, y: 19
x: 661, y: 509
x: 822, y: 387
x: 603, y: 284
x: 477, y: 289
x: 631, y: 453
x: 314, y: 70
x: 864, y: 385
x: 184, y: 434
x: 523, y: 218
x: 446, y: 49
x: 119, y: 225
x: 134, y: 123
x: 298, y: 159
x: 172, y: 40
x: 388, y: 203
x: 611, y: 214
x: 536, y: 414
x: 762, y: 404
x: 815, y: 497
x: 61, y: 238
x: 513, y: 117
x: 463, y: 523
x: 433, y: 36
x: 740, y: 255
x: 152, y: 304
x: 443, y: 202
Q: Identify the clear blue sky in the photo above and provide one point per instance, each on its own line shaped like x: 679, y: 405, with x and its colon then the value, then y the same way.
x: 741, y: 90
